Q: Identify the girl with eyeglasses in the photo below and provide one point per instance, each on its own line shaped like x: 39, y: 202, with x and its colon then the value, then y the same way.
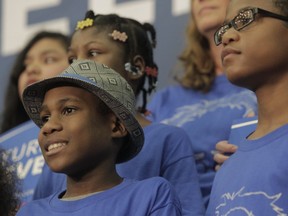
x: 254, y: 42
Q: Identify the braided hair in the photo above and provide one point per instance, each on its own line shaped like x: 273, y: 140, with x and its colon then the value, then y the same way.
x: 141, y: 41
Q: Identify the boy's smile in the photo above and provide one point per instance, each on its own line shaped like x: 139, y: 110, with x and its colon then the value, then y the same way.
x: 54, y: 147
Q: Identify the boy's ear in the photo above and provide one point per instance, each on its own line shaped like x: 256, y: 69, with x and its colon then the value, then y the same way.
x: 138, y: 62
x: 118, y: 129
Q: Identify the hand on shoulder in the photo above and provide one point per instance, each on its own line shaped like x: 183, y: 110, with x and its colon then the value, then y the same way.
x: 223, y: 150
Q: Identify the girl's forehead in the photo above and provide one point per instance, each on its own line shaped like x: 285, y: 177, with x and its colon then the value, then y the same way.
x: 92, y: 32
x: 238, y: 4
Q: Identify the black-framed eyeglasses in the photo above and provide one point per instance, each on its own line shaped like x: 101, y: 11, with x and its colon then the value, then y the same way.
x: 243, y: 19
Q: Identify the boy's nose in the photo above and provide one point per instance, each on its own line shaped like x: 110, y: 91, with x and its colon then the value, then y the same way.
x: 52, y: 125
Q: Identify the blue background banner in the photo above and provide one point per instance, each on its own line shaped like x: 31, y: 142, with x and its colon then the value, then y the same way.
x: 19, y: 20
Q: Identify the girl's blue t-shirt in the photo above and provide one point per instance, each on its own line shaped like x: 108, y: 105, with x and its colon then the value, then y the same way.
x: 206, y: 117
x: 254, y: 179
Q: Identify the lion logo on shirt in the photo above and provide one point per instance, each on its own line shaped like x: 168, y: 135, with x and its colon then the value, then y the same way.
x: 244, y: 204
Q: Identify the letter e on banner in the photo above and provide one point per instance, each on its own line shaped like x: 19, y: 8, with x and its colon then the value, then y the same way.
x: 15, y: 27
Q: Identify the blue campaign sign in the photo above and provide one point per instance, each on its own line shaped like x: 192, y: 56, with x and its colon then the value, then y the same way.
x: 23, y: 149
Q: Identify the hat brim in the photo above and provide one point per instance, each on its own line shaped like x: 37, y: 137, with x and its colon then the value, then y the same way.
x: 33, y: 97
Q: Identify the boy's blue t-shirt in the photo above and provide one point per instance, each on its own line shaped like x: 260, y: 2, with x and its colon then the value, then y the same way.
x: 153, y: 196
x: 206, y: 117
x: 254, y: 179
x: 167, y: 153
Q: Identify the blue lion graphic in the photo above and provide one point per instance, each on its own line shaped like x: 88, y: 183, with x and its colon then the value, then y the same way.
x: 244, y: 203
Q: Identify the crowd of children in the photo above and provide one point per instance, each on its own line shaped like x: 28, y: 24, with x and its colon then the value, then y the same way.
x: 106, y: 155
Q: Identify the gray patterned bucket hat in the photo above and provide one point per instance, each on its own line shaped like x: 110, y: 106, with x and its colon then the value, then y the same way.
x: 101, y: 81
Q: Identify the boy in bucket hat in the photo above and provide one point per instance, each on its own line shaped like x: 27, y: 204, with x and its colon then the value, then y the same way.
x: 86, y: 116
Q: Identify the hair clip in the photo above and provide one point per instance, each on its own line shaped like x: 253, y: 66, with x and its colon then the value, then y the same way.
x: 151, y: 71
x: 132, y: 69
x: 84, y: 23
x: 117, y: 35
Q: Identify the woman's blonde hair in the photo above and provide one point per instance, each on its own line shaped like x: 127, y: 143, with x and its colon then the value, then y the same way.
x: 199, y: 66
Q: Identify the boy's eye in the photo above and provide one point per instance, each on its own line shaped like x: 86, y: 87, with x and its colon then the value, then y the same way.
x: 68, y: 110
x: 93, y: 53
x: 44, y: 118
